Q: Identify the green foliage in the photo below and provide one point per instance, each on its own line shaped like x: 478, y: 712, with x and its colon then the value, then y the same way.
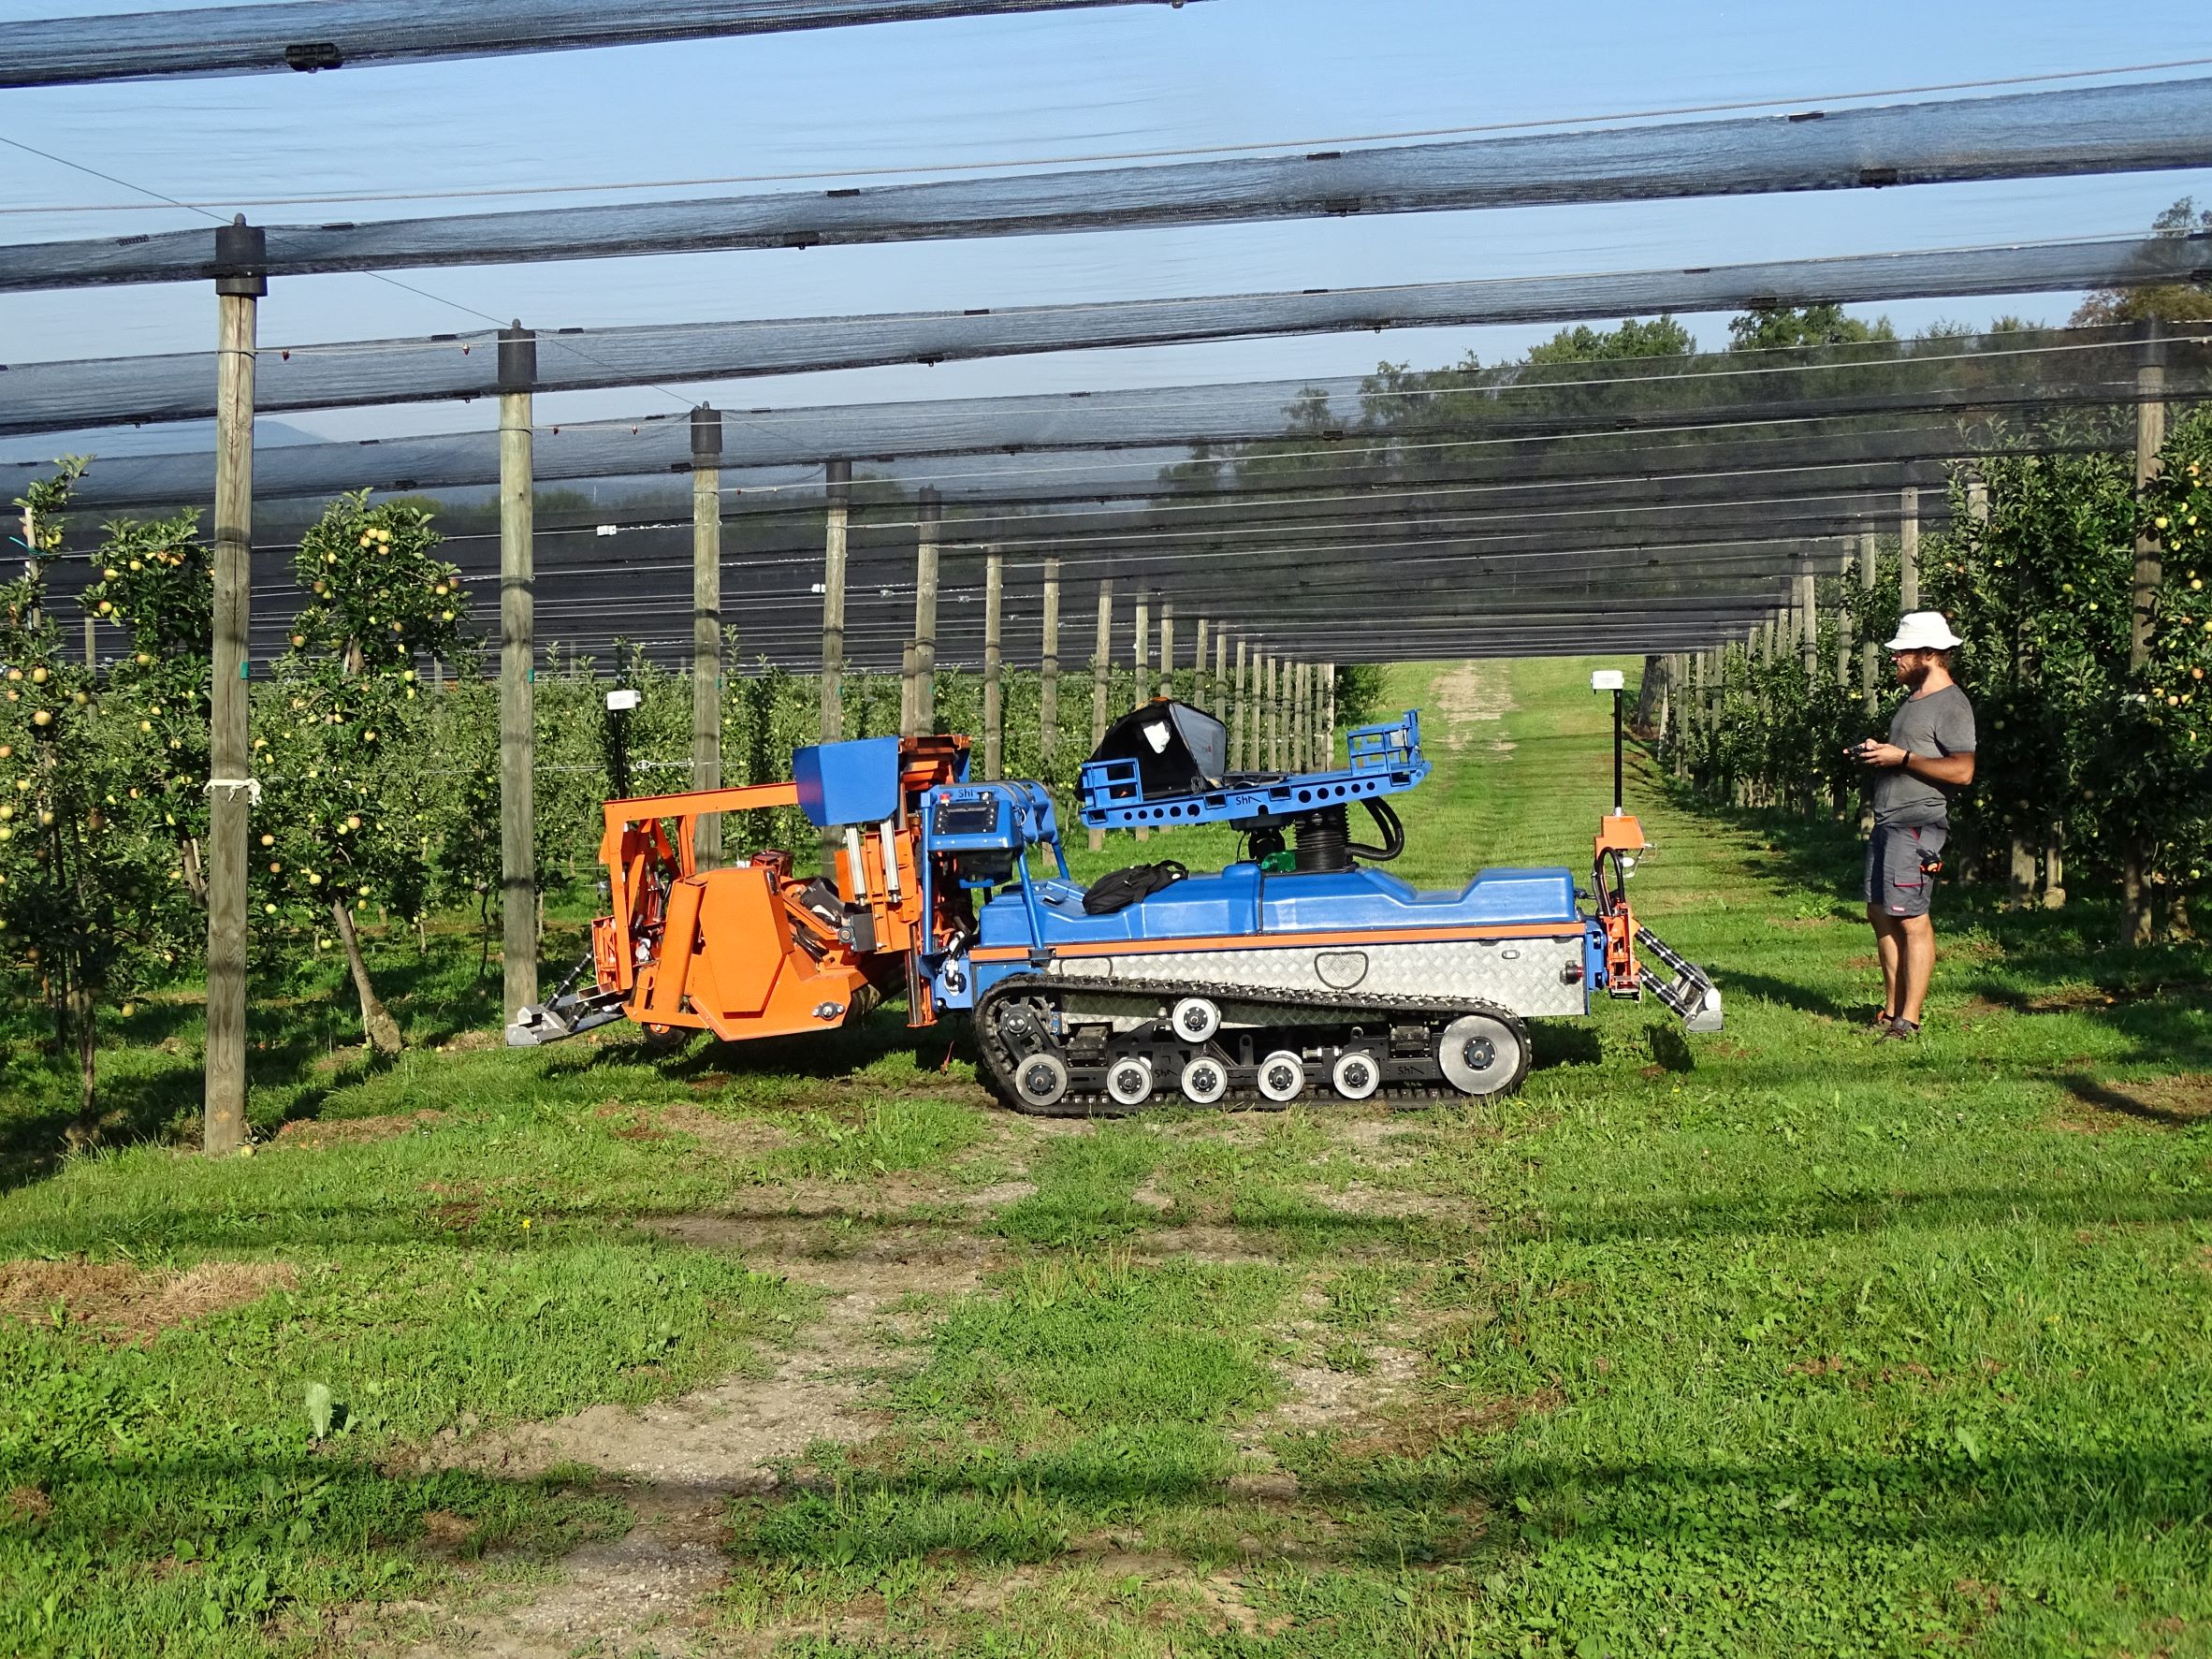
x: 380, y: 598
x: 1764, y: 328
x: 1661, y: 337
x: 156, y: 582
x: 2074, y: 745
x: 2172, y: 302
x: 87, y: 909
x: 347, y: 741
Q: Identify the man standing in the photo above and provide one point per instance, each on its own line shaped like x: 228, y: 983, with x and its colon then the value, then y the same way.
x: 1929, y: 758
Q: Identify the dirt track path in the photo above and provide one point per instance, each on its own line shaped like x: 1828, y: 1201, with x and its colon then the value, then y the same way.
x: 1463, y: 696
x: 676, y: 1464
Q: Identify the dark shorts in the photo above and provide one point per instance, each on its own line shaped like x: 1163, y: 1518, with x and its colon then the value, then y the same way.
x: 1895, y: 880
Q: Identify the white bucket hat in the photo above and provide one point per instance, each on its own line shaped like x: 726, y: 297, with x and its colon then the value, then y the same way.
x: 1922, y: 630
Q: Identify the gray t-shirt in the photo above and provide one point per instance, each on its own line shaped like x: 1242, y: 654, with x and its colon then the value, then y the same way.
x: 1939, y: 723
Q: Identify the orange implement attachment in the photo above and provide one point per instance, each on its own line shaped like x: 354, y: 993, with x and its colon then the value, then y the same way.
x: 751, y: 949
x: 1620, y: 842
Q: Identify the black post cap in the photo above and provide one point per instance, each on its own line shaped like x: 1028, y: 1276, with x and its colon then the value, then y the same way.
x: 241, y: 259
x: 518, y: 358
x: 706, y: 436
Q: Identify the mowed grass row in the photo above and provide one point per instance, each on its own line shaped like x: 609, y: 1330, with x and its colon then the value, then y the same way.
x: 1768, y: 1342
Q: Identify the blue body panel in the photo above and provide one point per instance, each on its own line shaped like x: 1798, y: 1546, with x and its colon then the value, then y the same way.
x: 854, y: 782
x: 1239, y: 901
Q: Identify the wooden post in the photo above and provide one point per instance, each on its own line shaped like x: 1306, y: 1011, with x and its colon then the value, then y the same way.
x: 837, y: 520
x: 1143, y: 690
x: 1101, y: 666
x: 519, y: 868
x: 1167, y: 647
x: 1686, y: 716
x: 1908, y: 541
x: 1221, y: 677
x: 1869, y: 657
x: 1048, y: 672
x: 2150, y: 437
x: 1808, y: 620
x: 1301, y: 716
x: 1198, y: 668
x: 707, y: 622
x: 1240, y: 750
x: 1310, y: 755
x: 994, y: 701
x: 929, y: 528
x: 1843, y: 623
x: 1258, y: 750
x: 241, y: 281
x: 1275, y: 715
x: 908, y: 726
x: 91, y: 645
x: 1143, y: 681
x: 1327, y: 755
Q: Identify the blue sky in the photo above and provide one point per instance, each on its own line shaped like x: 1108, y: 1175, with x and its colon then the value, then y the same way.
x: 917, y: 96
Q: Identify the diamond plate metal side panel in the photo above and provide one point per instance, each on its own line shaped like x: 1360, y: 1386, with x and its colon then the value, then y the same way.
x: 1526, y: 976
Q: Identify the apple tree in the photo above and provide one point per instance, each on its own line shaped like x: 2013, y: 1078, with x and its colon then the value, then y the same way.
x: 155, y: 579
x: 347, y: 752
x: 88, y: 908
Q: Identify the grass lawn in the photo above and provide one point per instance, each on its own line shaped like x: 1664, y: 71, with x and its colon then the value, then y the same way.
x: 1768, y: 1342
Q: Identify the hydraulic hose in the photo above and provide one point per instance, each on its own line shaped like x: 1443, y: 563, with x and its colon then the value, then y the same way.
x: 1394, y: 832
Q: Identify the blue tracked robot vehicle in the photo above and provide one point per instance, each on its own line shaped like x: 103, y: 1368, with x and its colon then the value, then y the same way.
x: 1300, y: 971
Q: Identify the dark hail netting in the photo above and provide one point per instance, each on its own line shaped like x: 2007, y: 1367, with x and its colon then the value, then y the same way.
x: 1636, y: 504
x: 1943, y: 389
x: 2138, y: 127
x: 311, y: 35
x: 62, y: 396
x: 1694, y: 556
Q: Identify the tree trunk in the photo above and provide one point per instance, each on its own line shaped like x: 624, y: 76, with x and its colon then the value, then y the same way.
x: 2135, y: 897
x: 2054, y: 870
x: 2023, y: 873
x: 1651, y: 696
x: 196, y: 875
x: 85, y: 1017
x: 377, y: 1024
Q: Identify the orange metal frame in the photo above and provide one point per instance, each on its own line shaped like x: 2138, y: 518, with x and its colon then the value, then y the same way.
x: 1618, y: 832
x: 738, y: 949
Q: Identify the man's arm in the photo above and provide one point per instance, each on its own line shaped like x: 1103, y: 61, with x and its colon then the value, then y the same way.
x: 1954, y: 769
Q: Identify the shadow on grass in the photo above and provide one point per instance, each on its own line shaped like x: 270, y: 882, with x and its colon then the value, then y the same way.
x: 991, y: 1512
x: 1670, y: 1049
x: 2171, y: 1103
x: 826, y: 1055
x: 1265, y: 1229
x: 1046, y: 1508
x: 1767, y: 988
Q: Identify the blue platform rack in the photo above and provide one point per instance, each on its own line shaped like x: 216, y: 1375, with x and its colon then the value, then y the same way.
x: 1385, y: 760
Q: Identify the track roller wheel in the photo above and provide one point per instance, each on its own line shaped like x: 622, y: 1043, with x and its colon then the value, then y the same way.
x: 1040, y: 1081
x: 1356, y: 1075
x: 1195, y: 1019
x: 1481, y: 1054
x: 1206, y: 1080
x: 1129, y: 1081
x: 1282, y: 1076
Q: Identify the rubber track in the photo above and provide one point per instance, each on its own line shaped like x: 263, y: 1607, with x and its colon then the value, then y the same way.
x: 1399, y: 1097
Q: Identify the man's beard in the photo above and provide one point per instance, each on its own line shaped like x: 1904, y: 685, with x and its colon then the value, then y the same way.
x: 1916, y: 674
